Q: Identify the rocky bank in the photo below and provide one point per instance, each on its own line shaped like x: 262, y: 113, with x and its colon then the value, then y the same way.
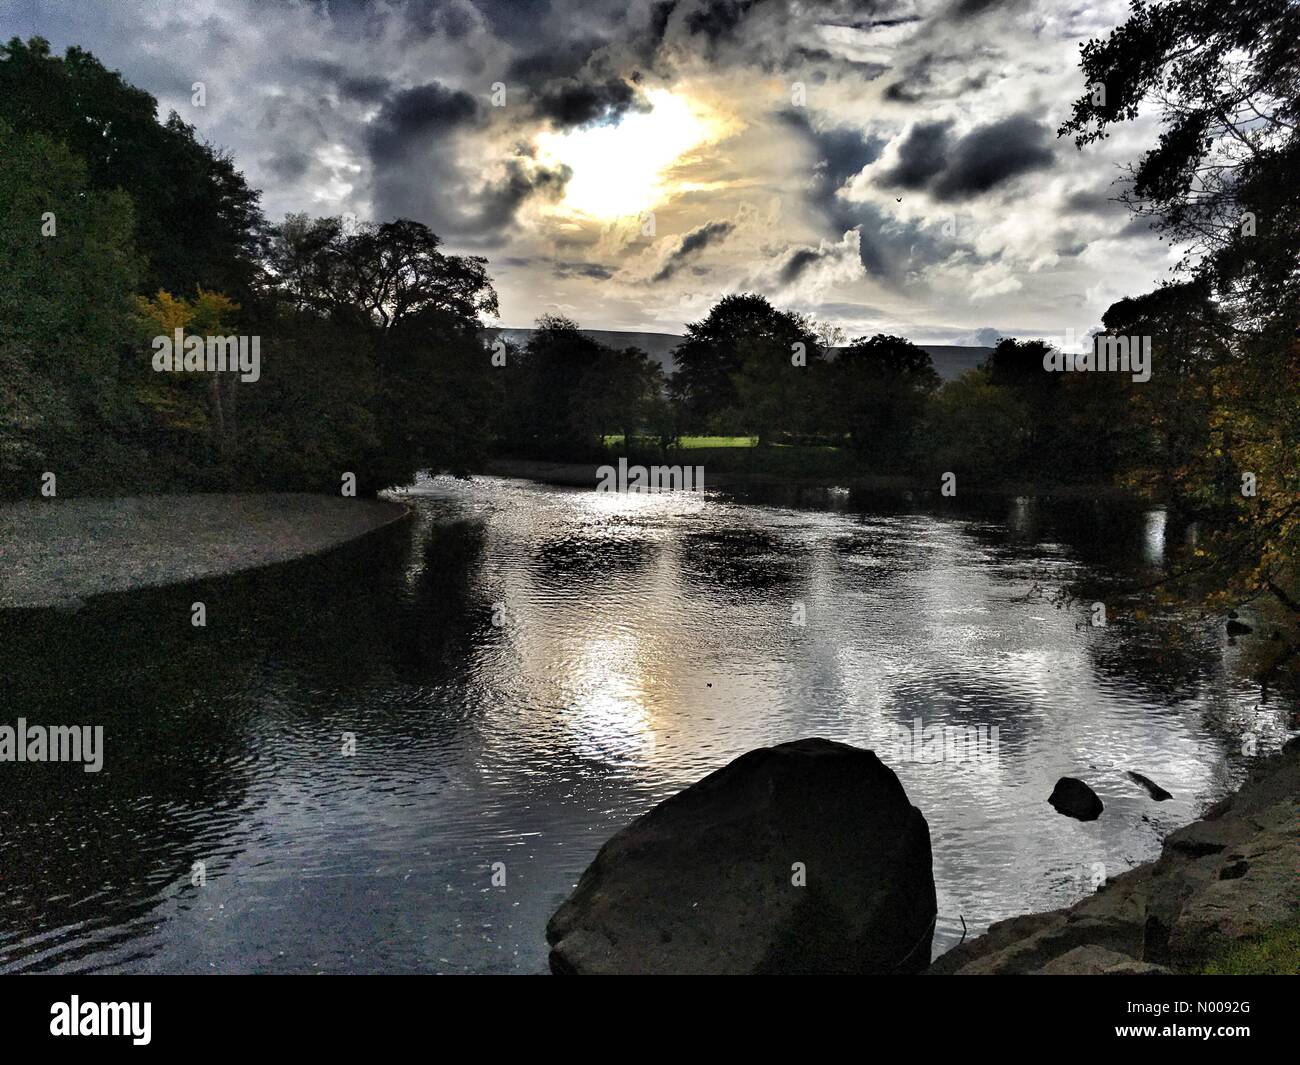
x: 1221, y: 880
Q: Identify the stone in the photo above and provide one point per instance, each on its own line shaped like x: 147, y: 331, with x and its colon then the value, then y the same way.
x: 1152, y: 788
x: 1075, y: 799
x: 1098, y: 961
x: 806, y: 857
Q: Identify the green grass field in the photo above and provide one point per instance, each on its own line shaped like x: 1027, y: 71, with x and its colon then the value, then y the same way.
x: 718, y: 441
x: 698, y: 441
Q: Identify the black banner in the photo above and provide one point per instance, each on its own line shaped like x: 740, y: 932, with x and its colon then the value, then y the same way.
x: 222, y: 1014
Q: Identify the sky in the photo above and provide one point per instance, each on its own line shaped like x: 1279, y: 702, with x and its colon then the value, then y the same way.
x: 881, y: 166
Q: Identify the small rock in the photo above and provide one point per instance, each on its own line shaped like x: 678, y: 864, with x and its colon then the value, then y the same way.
x: 1153, y: 789
x: 1075, y: 799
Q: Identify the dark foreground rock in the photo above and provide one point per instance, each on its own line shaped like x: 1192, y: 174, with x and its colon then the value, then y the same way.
x: 709, y: 881
x: 1222, y: 880
x: 1075, y: 799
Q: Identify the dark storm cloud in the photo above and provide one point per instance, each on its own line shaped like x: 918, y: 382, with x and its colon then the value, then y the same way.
x: 363, y: 88
x: 694, y: 242
x: 560, y: 59
x: 995, y: 153
x: 889, y: 251
x: 493, y: 209
x: 895, y: 252
x: 418, y: 171
x: 573, y: 83
x: 839, y: 152
x: 900, y: 92
x: 288, y: 164
x: 408, y: 119
x: 799, y: 261
x: 964, y: 9
x: 571, y: 102
x: 591, y: 270
x: 921, y: 156
x: 942, y: 75
x: 1103, y: 202
x: 716, y: 19
x: 929, y: 158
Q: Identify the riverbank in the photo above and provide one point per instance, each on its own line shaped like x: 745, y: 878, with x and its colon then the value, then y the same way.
x: 56, y: 553
x: 736, y: 468
x: 1222, y: 890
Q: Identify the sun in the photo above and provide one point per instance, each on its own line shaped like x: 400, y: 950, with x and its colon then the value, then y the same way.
x: 622, y: 168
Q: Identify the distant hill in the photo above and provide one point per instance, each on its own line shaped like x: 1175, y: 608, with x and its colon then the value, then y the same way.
x: 658, y: 346
x: 950, y: 360
x: 953, y: 360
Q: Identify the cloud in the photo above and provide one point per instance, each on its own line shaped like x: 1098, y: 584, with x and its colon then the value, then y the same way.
x: 929, y: 157
x: 570, y: 102
x: 410, y: 118
x: 920, y: 156
x: 594, y: 271
x: 337, y: 78
x: 964, y: 9
x: 805, y: 273
x: 694, y: 242
x: 993, y: 154
x: 382, y: 108
x: 799, y: 261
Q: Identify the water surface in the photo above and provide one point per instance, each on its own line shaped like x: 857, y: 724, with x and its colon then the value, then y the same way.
x: 525, y: 669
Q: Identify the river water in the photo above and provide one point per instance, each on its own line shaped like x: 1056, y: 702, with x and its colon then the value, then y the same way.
x: 524, y: 669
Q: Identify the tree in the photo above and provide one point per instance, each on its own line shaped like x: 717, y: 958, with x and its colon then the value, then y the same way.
x: 420, y: 309
x: 1171, y: 412
x: 882, y: 385
x: 544, y: 387
x: 209, y: 314
x: 386, y: 271
x: 70, y: 267
x: 616, y: 396
x: 974, y: 428
x: 739, y: 358
x: 196, y: 220
x: 1017, y: 365
x: 1225, y: 76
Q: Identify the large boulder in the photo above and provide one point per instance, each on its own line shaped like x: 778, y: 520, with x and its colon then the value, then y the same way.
x: 802, y: 858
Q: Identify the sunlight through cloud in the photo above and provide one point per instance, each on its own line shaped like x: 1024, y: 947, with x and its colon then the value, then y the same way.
x: 624, y: 168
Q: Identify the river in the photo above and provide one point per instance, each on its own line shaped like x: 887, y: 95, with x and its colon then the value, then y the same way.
x: 327, y: 776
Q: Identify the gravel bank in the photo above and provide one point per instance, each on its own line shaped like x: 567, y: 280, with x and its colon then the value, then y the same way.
x: 57, y: 552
